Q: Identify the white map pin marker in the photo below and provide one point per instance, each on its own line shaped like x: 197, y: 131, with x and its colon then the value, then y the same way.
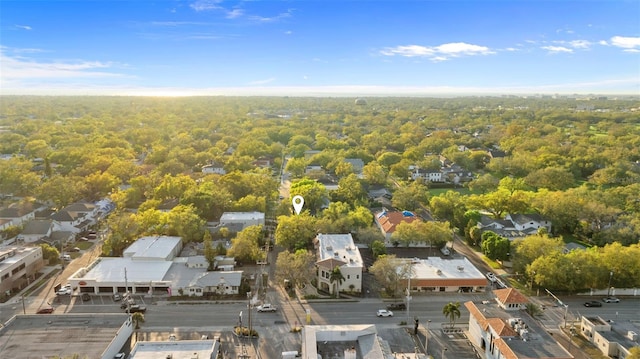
x: 298, y: 203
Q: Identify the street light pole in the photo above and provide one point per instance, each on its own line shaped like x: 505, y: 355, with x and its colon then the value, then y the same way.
x: 426, y: 339
x: 444, y: 350
x: 609, y: 286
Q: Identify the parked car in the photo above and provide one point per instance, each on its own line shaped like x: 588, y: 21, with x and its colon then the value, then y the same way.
x: 116, y: 297
x: 592, y: 303
x: 74, y: 249
x: 384, y: 313
x: 491, y: 277
x: 137, y: 308
x: 46, y: 310
x: 397, y: 306
x: 611, y: 300
x: 86, y: 297
x: 266, y: 308
x: 64, y: 291
x: 83, y: 239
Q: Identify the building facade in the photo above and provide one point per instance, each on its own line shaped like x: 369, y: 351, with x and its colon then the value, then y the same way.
x: 18, y: 267
x: 338, y: 251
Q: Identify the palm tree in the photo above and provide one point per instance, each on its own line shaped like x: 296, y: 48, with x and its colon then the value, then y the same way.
x: 336, y: 276
x: 452, y: 311
x: 137, y: 318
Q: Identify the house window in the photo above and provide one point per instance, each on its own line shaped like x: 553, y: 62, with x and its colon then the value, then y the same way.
x: 357, y: 276
x: 348, y: 276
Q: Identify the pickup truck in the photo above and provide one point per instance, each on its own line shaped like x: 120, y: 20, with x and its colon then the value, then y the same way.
x: 266, y: 308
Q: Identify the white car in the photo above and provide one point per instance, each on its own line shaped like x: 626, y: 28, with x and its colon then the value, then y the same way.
x: 491, y: 277
x: 611, y: 300
x: 266, y: 308
x: 384, y: 313
x: 64, y: 291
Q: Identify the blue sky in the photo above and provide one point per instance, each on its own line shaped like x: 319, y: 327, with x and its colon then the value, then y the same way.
x: 330, y: 47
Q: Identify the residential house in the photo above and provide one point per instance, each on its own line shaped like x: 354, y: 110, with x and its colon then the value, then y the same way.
x: 338, y: 251
x: 387, y: 221
x: 214, y: 169
x: 427, y: 175
x: 222, y: 283
x: 35, y: 230
x: 514, y: 225
x: 76, y: 217
x: 17, y: 214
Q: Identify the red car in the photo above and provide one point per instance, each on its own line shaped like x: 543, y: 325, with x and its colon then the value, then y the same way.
x: 47, y: 310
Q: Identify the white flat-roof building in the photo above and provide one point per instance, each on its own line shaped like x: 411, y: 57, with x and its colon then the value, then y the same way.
x: 150, y: 265
x: 436, y: 274
x: 245, y: 219
x: 179, y: 349
x: 338, y: 250
x: 163, y: 248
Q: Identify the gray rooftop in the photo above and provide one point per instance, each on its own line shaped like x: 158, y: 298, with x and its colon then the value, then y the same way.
x: 112, y: 270
x: 180, y: 349
x: 44, y: 336
x: 158, y: 247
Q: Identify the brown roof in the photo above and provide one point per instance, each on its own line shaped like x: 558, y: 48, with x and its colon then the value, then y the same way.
x: 510, y: 296
x: 389, y: 220
x: 504, y: 348
x: 330, y: 263
x: 500, y: 327
x: 476, y: 314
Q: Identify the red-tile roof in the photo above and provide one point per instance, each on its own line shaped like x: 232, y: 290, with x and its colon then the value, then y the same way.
x: 510, y: 296
x: 389, y: 220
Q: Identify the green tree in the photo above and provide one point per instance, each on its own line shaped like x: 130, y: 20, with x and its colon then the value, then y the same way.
x: 385, y: 270
x: 296, y: 267
x: 411, y: 197
x: 374, y: 173
x: 314, y: 193
x: 210, y: 252
x: 378, y: 248
x: 452, y: 312
x: 246, y: 245
x: 50, y: 253
x: 295, y: 232
x: 336, y: 278
x: 184, y: 221
x: 495, y: 246
x: 526, y: 250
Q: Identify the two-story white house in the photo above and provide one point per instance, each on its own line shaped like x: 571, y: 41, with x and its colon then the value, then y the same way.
x: 338, y: 251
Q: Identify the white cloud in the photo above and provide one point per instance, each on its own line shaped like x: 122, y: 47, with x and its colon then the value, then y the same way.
x: 204, y: 5
x: 262, y: 82
x: 557, y: 49
x: 24, y: 27
x: 235, y: 13
x: 629, y: 43
x: 16, y: 68
x: 276, y: 18
x: 580, y: 44
x: 438, y: 53
x: 288, y: 32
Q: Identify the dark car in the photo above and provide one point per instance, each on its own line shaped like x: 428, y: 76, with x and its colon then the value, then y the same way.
x: 47, y: 310
x: 85, y: 297
x: 593, y: 303
x: 397, y: 306
x: 136, y: 308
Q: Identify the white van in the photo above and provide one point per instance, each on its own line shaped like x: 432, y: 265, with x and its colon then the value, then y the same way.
x: 66, y: 257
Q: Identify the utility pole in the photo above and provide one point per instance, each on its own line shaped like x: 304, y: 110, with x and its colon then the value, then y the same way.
x: 609, y: 286
x: 426, y: 340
